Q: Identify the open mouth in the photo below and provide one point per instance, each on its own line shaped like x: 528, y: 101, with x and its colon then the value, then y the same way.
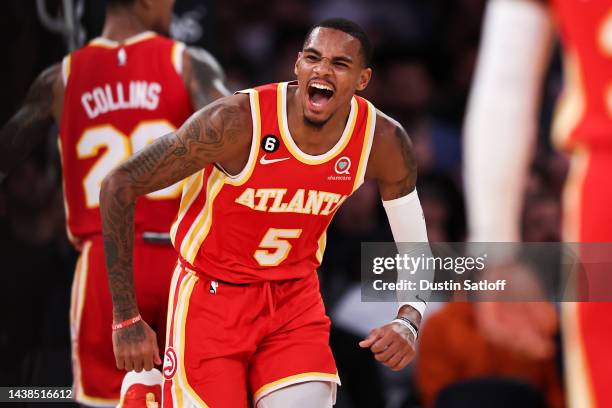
x: 320, y: 93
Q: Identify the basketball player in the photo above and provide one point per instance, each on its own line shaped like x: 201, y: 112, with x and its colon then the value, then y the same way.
x: 267, y: 168
x: 112, y: 98
x: 500, y: 134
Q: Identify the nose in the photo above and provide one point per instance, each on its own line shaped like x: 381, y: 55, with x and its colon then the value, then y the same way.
x: 323, y: 67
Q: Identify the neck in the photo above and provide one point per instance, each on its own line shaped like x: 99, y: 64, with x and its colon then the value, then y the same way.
x: 309, y: 138
x: 121, y: 24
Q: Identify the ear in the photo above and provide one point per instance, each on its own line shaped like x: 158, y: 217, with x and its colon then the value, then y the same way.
x: 364, y: 79
x: 295, y: 67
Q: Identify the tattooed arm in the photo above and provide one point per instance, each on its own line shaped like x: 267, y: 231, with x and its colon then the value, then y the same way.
x: 219, y: 133
x: 20, y: 135
x: 203, y: 77
x: 392, y: 163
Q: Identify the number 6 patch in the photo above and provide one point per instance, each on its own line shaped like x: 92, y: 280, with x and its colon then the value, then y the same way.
x: 270, y: 143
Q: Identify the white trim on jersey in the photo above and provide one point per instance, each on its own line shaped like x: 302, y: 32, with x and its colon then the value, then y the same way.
x: 294, y: 147
x: 177, y: 57
x: 66, y: 69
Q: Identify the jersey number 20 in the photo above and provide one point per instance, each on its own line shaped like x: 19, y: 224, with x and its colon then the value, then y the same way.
x: 118, y: 148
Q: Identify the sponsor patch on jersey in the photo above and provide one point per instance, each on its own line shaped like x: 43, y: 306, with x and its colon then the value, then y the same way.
x: 342, y: 167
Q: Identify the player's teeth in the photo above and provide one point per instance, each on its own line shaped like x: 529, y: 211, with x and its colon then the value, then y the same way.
x: 319, y: 86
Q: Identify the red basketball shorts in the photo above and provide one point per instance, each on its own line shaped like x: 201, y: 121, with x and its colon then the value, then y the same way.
x: 97, y: 381
x: 228, y: 343
x: 587, y: 326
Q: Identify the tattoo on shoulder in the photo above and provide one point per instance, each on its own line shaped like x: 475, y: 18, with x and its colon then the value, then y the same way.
x: 409, y: 161
x: 217, y: 125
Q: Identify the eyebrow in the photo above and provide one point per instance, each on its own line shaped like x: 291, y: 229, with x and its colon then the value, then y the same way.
x: 342, y: 58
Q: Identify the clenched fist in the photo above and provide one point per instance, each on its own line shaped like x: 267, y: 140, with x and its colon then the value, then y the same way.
x: 392, y: 344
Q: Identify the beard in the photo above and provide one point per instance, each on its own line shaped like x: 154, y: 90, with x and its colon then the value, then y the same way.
x: 318, y: 125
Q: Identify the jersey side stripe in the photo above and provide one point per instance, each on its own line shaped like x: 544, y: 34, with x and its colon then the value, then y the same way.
x: 179, y: 342
x: 73, y: 240
x: 321, y: 244
x: 177, y: 389
x: 367, y: 146
x: 201, y: 231
x: 215, y: 181
x: 186, y: 241
x: 192, y: 188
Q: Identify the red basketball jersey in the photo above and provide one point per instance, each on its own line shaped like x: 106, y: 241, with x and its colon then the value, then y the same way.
x: 118, y: 99
x: 584, y: 113
x: 269, y: 221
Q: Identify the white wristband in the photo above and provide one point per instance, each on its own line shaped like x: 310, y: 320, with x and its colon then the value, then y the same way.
x: 406, y: 324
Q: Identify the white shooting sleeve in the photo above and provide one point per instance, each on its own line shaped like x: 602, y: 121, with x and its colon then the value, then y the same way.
x: 410, y: 234
x: 501, y: 121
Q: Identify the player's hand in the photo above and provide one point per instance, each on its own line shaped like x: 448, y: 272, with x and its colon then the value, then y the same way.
x: 135, y: 347
x: 521, y: 320
x: 527, y: 328
x: 392, y: 344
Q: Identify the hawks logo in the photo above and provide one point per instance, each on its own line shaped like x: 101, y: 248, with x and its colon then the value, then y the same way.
x: 170, y: 363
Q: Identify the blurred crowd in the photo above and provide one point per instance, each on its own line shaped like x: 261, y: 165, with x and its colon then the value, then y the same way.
x: 425, y: 52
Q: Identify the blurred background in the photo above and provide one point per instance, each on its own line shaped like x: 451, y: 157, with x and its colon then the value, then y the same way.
x: 425, y: 53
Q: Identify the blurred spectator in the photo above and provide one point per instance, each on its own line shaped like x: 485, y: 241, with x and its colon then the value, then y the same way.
x: 452, y: 349
x: 443, y: 208
x: 36, y: 274
x: 541, y: 215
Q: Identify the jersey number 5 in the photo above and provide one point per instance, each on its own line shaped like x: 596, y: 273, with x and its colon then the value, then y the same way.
x: 118, y: 148
x: 275, y: 240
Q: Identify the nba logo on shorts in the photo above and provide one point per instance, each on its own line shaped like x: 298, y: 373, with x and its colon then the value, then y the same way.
x: 213, y: 287
x: 169, y: 363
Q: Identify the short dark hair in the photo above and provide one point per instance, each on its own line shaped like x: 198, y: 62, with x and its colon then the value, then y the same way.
x: 351, y: 28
